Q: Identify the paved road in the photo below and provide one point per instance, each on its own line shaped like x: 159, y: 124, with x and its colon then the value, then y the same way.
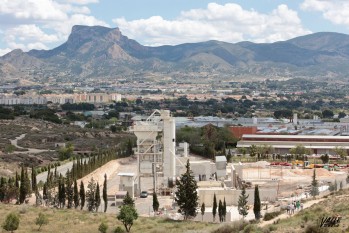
x: 28, y: 150
x: 60, y: 169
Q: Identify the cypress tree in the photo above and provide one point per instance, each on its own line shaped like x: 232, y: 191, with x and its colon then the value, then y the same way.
x: 44, y: 191
x: 257, y: 204
x: 105, y: 195
x: 76, y: 195
x: 82, y: 195
x: 97, y: 198
x: 202, y: 211
x: 55, y: 174
x: 2, y: 189
x: 214, y: 207
x: 17, y: 179
x: 91, y: 195
x: 220, y: 211
x: 34, y: 184
x: 242, y: 203
x: 62, y: 193
x: 314, y: 186
x: 155, y: 202
x: 27, y: 182
x: 69, y: 193
x: 48, y: 180
x: 186, y: 194
x: 224, y: 210
x: 23, y: 187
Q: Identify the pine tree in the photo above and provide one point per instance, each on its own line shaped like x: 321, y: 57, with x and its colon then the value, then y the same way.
x: 155, y: 202
x: 314, y: 186
x: 82, y: 195
x: 97, y: 198
x: 186, y: 194
x: 242, y: 203
x: 105, y: 194
x: 202, y: 211
x: 214, y: 207
x: 127, y: 215
x: 76, y: 194
x: 220, y: 211
x: 257, y: 204
x: 128, y: 200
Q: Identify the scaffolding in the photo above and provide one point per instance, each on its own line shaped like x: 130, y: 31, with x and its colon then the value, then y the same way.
x: 155, y: 147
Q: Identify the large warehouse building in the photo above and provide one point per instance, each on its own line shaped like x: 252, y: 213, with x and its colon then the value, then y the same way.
x: 283, y: 143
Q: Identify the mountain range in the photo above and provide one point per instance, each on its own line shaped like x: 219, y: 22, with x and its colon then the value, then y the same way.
x: 101, y: 52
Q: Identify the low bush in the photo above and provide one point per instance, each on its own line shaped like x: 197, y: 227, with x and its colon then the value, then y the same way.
x: 236, y: 226
x: 118, y: 229
x: 271, y: 215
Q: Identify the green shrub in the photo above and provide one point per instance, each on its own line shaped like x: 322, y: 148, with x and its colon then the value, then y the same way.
x: 103, y: 227
x: 271, y: 215
x: 314, y: 228
x: 251, y: 228
x: 235, y: 226
x: 272, y: 228
x: 118, y: 229
x: 11, y: 222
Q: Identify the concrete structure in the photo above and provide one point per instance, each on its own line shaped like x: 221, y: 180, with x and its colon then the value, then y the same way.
x: 221, y: 166
x: 183, y: 149
x: 232, y: 195
x: 202, y: 170
x: 283, y: 143
x: 22, y: 100
x: 96, y: 98
x: 127, y: 183
x: 295, y: 119
x: 169, y: 144
x: 156, y: 145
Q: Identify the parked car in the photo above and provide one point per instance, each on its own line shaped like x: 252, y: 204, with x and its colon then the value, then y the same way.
x: 144, y: 194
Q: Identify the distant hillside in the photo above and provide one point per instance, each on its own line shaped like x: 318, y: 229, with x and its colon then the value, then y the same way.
x: 98, y: 52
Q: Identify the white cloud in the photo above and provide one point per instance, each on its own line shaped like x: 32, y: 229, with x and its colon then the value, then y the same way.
x: 81, y: 2
x: 33, y: 9
x: 336, y: 11
x: 4, y: 51
x: 29, y: 32
x: 37, y: 24
x: 229, y: 22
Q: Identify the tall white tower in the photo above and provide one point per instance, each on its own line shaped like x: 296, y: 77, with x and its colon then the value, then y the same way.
x: 169, y: 143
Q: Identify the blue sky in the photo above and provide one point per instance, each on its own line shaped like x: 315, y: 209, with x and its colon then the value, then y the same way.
x: 45, y: 24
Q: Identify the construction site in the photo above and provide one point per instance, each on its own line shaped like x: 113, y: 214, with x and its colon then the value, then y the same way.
x: 158, y: 161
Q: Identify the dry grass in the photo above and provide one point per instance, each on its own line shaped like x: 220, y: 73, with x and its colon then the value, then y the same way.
x: 75, y: 221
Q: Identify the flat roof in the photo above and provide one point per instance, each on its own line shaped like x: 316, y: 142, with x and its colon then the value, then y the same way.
x: 294, y: 145
x: 294, y: 136
x: 126, y: 174
x: 221, y: 159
